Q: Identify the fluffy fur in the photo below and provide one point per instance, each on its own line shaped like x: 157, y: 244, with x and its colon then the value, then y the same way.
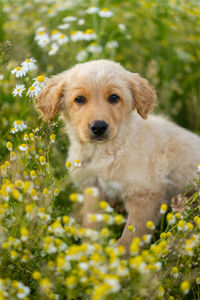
x: 143, y: 161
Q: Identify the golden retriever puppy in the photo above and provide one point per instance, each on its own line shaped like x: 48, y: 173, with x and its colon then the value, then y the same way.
x: 142, y: 161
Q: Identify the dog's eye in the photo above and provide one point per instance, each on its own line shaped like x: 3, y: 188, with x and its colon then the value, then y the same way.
x: 113, y: 98
x: 80, y: 100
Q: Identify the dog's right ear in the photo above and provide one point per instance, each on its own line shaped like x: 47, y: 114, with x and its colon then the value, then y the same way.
x: 49, y: 100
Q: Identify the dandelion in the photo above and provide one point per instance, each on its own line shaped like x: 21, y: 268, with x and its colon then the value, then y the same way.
x: 18, y: 90
x: 9, y: 146
x: 105, y: 13
x: 185, y: 287
x: 29, y: 64
x: 19, y: 72
x: 23, y: 147
x: 163, y: 209
x: 150, y: 225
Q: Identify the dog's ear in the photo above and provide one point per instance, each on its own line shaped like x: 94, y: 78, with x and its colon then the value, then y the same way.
x: 49, y: 100
x: 143, y: 94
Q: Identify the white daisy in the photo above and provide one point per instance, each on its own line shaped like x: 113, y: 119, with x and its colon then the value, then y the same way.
x: 94, y: 48
x: 23, y: 147
x: 82, y: 55
x: 77, y: 36
x: 70, y: 19
x: 105, y: 13
x: 112, y: 44
x: 81, y: 22
x: 42, y: 38
x: 53, y: 49
x: 89, y: 35
x: 18, y: 90
x: 23, y: 291
x: 63, y: 26
x: 62, y: 39
x: 33, y: 91
x: 19, y: 125
x: 29, y: 64
x: 19, y: 72
x: 92, y: 10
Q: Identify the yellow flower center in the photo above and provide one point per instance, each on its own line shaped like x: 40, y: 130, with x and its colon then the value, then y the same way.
x: 18, y: 68
x: 31, y: 88
x: 28, y: 60
x: 40, y: 78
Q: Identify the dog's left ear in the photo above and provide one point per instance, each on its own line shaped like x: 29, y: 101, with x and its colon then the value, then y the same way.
x: 49, y: 100
x: 143, y: 94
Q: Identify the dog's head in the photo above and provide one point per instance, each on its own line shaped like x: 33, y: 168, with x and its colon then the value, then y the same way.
x: 96, y: 98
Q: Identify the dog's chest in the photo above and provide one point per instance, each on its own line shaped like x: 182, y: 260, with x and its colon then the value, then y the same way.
x: 112, y: 189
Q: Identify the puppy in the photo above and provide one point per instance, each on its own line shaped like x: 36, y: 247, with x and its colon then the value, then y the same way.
x: 143, y: 162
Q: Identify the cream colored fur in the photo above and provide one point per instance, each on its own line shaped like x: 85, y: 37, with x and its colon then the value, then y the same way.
x: 144, y: 162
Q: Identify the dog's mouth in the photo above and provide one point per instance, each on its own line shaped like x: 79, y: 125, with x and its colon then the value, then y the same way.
x: 102, y: 138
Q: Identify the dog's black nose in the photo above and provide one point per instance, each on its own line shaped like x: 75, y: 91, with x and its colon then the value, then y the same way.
x: 98, y: 128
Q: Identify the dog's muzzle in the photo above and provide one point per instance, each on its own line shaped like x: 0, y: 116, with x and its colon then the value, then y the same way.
x: 98, y: 129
